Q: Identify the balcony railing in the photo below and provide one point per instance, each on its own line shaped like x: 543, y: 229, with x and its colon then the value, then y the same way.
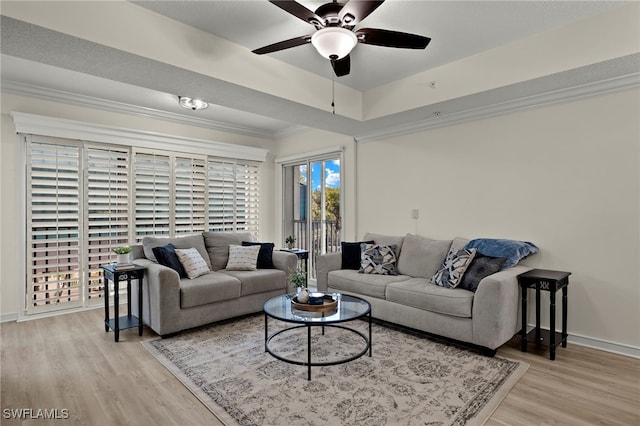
x: 324, y: 238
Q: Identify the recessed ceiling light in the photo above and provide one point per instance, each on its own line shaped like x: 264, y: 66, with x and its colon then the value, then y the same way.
x: 192, y: 104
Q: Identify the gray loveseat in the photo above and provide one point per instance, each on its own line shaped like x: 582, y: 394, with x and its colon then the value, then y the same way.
x: 487, y: 317
x: 172, y: 304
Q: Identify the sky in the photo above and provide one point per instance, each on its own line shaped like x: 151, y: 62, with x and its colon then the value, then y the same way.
x: 332, y: 174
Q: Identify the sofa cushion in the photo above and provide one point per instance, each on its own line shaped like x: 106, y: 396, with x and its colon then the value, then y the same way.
x: 422, y: 257
x: 351, y: 254
x: 260, y: 280
x: 365, y: 284
x: 195, y: 241
x: 167, y: 256
x: 242, y: 258
x: 420, y: 293
x: 378, y: 259
x: 192, y: 262
x: 386, y: 240
x: 453, y: 268
x: 208, y: 288
x: 265, y: 256
x: 217, y: 245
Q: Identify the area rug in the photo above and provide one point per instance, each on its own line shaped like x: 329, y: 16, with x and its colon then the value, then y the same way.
x: 408, y: 380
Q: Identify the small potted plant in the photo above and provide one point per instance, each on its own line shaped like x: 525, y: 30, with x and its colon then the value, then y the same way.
x: 298, y: 278
x: 123, y: 253
x: 290, y: 240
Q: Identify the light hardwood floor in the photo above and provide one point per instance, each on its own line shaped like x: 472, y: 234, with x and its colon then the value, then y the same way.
x: 69, y: 362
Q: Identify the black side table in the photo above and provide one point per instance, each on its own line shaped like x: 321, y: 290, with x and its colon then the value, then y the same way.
x: 303, y: 255
x: 112, y: 273
x: 551, y: 281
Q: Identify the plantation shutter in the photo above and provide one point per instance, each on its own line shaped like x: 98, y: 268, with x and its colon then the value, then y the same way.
x: 54, y: 225
x: 233, y: 195
x: 221, y: 195
x: 190, y: 195
x: 107, y: 217
x: 85, y: 198
x: 248, y: 197
x: 152, y: 194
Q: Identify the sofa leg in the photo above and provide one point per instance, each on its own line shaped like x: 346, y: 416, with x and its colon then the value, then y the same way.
x: 489, y: 352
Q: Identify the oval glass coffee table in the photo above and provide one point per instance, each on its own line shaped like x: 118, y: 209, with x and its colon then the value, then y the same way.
x: 348, y: 308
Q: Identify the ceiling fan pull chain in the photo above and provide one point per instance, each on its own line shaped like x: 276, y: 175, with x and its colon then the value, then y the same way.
x: 333, y: 94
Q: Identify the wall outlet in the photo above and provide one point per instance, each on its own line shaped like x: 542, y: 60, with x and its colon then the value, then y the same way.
x: 415, y: 213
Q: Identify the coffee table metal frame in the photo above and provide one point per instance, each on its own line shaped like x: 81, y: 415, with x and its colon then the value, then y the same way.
x: 343, y: 313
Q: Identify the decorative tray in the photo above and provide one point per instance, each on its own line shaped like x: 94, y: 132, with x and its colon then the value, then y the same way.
x: 329, y: 304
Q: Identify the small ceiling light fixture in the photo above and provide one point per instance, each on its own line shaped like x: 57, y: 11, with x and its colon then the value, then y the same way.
x: 192, y: 104
x: 334, y: 42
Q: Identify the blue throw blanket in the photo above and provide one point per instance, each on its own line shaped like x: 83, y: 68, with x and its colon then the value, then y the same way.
x: 513, y: 251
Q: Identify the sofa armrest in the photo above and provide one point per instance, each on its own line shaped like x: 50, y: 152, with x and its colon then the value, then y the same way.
x: 285, y: 261
x: 496, y: 305
x: 326, y: 263
x: 161, y: 296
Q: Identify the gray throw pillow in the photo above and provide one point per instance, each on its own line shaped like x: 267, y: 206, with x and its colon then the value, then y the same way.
x: 480, y: 268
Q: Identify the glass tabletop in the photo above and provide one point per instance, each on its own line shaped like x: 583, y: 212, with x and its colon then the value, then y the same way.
x: 348, y: 308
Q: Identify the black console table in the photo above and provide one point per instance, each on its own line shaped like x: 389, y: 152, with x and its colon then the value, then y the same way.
x: 112, y: 273
x: 551, y: 281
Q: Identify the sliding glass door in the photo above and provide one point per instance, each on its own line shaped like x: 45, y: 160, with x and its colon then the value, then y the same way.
x: 312, y: 206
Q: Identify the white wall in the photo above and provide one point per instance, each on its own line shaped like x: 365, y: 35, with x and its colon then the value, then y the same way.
x: 564, y: 176
x: 12, y: 170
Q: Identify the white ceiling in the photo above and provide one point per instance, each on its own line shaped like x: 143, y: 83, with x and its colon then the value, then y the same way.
x: 53, y: 65
x: 457, y: 29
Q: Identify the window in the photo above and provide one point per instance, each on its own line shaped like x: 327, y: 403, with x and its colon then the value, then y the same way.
x: 85, y: 198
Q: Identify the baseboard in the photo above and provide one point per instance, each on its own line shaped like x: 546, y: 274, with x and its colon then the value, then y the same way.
x: 603, y: 345
x: 8, y: 318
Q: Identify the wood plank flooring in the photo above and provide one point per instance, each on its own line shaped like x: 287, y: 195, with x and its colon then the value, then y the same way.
x: 69, y: 362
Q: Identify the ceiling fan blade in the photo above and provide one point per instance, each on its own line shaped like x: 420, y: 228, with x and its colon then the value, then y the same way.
x: 342, y: 66
x: 281, y: 45
x: 356, y: 10
x: 390, y: 38
x: 299, y: 11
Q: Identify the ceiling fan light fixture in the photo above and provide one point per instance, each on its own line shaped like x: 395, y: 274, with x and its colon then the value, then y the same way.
x: 192, y: 104
x: 334, y: 42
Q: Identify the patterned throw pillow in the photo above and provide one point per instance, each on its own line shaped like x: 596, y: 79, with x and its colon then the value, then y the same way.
x: 193, y: 263
x: 378, y: 259
x: 453, y: 268
x: 243, y: 258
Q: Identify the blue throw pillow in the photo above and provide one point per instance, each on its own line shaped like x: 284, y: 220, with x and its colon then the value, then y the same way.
x: 166, y: 256
x: 514, y: 251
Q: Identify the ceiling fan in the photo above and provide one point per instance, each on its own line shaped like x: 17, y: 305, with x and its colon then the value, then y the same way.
x: 335, y: 36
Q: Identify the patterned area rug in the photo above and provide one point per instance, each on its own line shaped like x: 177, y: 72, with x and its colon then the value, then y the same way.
x: 409, y: 380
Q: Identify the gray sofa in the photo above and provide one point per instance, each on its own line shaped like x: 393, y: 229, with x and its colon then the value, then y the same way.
x: 172, y: 304
x: 487, y: 317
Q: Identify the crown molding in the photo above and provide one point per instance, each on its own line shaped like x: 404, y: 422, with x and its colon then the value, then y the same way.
x: 121, y: 107
x: 71, y: 129
x: 436, y: 120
